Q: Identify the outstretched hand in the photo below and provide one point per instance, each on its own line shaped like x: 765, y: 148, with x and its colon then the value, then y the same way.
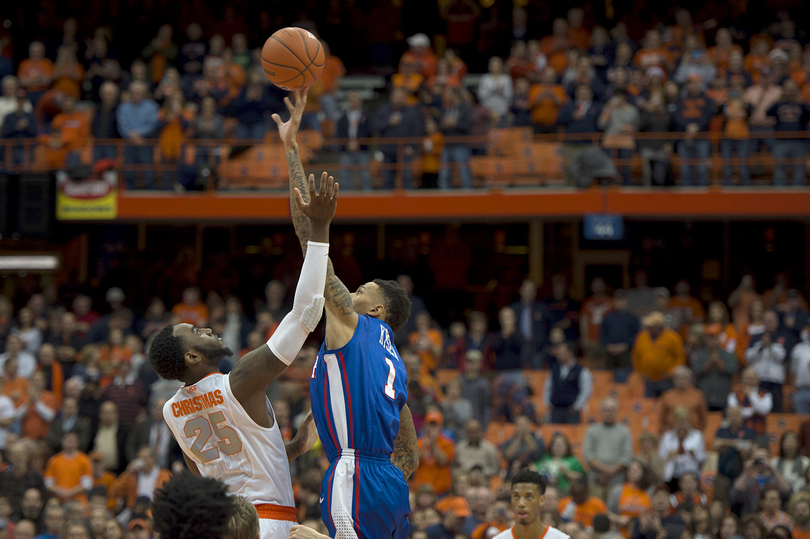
x: 302, y: 532
x: 289, y: 129
x: 322, y: 204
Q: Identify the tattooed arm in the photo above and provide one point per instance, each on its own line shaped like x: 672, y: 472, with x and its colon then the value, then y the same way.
x: 406, y: 453
x: 341, y: 320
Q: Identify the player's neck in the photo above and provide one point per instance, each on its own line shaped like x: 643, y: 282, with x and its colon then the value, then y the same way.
x: 529, y: 531
x: 194, y: 377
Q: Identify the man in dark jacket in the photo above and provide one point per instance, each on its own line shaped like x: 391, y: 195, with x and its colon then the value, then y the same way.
x: 692, y: 116
x: 715, y: 369
x: 456, y: 121
x: 354, y: 125
x: 579, y: 117
x: 533, y: 324
x: 792, y: 114
x: 397, y: 120
x: 617, y: 333
x: 250, y: 106
x: 105, y: 124
x: 154, y: 432
x: 567, y: 387
x: 20, y: 125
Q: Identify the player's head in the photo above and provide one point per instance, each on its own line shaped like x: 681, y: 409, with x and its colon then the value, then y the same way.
x: 385, y: 300
x: 191, y: 507
x: 183, y: 349
x: 528, y: 496
x: 244, y: 523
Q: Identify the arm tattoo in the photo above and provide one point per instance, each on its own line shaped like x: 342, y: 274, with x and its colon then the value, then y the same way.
x: 298, y: 179
x: 336, y: 291
x: 406, y: 453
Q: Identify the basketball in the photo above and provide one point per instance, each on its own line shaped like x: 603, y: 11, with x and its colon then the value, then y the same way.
x: 292, y: 58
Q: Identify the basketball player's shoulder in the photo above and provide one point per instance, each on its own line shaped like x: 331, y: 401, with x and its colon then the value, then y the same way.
x: 506, y: 534
x: 554, y: 533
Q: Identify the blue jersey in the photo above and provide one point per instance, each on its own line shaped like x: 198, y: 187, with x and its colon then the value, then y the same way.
x: 358, y: 391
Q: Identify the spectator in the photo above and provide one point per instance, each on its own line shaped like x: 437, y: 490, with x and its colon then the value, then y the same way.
x: 495, y: 90
x: 137, y: 120
x: 692, y: 116
x: 758, y: 476
x: 630, y: 500
x: 69, y: 420
x: 771, y: 514
x: 39, y: 409
x: 792, y: 114
x: 559, y: 466
x: 619, y: 120
x: 525, y: 447
x: 192, y: 310
x: 518, y: 64
x: 683, y: 394
x: 617, y: 334
x: 353, y: 125
x: 9, y: 88
x: 507, y: 345
x: 790, y: 463
x: 547, y: 98
x: 736, y: 73
x: 19, y: 124
x: 161, y: 52
x: 35, y: 72
x: 580, y: 507
x: 19, y: 477
x: 653, y: 54
x: 583, y: 73
x: 141, y: 478
x: 453, y: 518
x: 249, y: 107
x: 25, y: 529
x: 718, y: 323
x: 736, y: 135
x: 475, y: 451
x: 54, y: 522
x: 534, y: 320
x: 681, y: 448
x: 426, y: 341
x: 661, y: 521
x: 801, y: 518
x: 656, y: 353
x: 127, y: 392
x: 476, y: 388
x: 110, y: 439
x: 420, y: 54
x: 69, y: 473
x: 68, y: 73
x: 608, y: 449
x: 209, y: 125
x: 696, y: 63
x: 26, y: 362
x: 690, y: 308
x: 396, y: 120
x: 154, y: 432
x: 436, y: 455
x: 456, y: 121
x: 563, y: 310
x: 480, y: 500
x: 754, y: 400
x: 734, y: 444
x: 688, y: 493
x: 105, y: 122
x: 593, y: 313
x: 715, y: 369
x: 74, y: 128
x: 800, y: 367
x: 520, y: 108
x: 457, y: 410
x: 568, y: 387
x: 767, y: 353
x: 761, y: 97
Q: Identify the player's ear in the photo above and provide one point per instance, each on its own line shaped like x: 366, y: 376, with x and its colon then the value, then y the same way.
x: 192, y: 357
x: 378, y: 311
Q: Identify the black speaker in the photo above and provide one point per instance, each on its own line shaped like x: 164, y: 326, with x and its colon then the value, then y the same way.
x: 5, y: 187
x: 36, y: 204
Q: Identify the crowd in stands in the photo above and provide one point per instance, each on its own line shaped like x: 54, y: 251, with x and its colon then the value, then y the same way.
x: 723, y: 91
x: 84, y: 443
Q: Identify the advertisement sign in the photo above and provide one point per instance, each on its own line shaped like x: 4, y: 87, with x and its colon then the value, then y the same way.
x: 88, y: 199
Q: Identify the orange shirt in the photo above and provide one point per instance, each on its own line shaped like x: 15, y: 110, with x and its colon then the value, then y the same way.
x: 333, y: 71
x: 579, y: 38
x: 69, y: 80
x: 75, y: 129
x: 34, y: 68
x: 736, y: 121
x: 694, y: 401
x: 430, y: 472
x: 801, y: 534
x: 719, y: 57
x: 727, y: 334
x: 106, y: 481
x: 126, y: 486
x: 545, y: 108
x: 692, y: 307
x: 16, y: 389
x: 646, y: 58
x: 655, y: 359
x: 425, y: 63
x: 596, y: 309
x: 582, y: 514
x: 633, y: 502
x: 191, y: 314
x: 431, y: 153
x: 69, y: 472
x: 33, y: 425
x: 754, y: 64
x: 409, y: 83
x: 429, y: 361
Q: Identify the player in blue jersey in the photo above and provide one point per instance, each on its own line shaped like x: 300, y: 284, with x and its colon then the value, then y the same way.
x: 358, y: 389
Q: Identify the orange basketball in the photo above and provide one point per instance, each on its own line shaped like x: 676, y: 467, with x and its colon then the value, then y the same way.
x: 292, y: 58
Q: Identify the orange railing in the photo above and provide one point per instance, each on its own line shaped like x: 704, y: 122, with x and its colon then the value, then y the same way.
x: 504, y: 157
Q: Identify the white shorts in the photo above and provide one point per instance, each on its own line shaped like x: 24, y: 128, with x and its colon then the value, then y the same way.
x: 274, y: 529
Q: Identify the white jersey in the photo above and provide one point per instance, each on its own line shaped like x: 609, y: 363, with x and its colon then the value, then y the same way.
x: 217, y: 434
x: 548, y: 533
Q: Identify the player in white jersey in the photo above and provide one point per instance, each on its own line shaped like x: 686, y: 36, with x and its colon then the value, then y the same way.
x: 528, y: 495
x: 224, y: 423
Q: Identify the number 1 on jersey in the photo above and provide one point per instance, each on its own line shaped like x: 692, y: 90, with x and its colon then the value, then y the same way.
x: 392, y: 375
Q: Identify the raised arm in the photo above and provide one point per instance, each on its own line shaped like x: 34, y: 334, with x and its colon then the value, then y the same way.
x: 406, y: 452
x: 341, y: 319
x: 258, y: 368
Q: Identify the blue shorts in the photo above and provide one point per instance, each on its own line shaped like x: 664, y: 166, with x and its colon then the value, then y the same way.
x: 364, y: 495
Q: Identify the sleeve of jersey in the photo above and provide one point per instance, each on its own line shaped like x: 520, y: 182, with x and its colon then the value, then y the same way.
x: 307, y: 309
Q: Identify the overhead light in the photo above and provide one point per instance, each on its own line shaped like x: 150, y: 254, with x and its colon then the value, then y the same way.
x: 29, y: 262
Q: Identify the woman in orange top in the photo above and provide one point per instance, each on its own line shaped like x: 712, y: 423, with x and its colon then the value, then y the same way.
x: 546, y: 100
x: 720, y: 53
x: 653, y: 54
x: 718, y: 324
x: 757, y: 58
x: 427, y: 342
x: 755, y: 326
x: 68, y: 73
x: 442, y: 78
x: 40, y: 409
x: 174, y: 119
x: 630, y: 500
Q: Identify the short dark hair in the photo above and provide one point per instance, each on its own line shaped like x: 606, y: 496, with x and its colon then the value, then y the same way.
x: 166, y: 354
x: 191, y: 507
x: 530, y: 476
x: 601, y: 523
x: 397, y: 303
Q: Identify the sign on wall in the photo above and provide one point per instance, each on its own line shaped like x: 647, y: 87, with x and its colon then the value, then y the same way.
x: 89, y: 199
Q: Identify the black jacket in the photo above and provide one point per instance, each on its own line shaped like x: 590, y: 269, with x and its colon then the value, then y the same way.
x: 363, y: 129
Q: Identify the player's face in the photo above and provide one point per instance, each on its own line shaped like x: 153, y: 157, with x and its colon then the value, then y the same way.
x: 366, y: 298
x: 204, y: 341
x: 527, y: 502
